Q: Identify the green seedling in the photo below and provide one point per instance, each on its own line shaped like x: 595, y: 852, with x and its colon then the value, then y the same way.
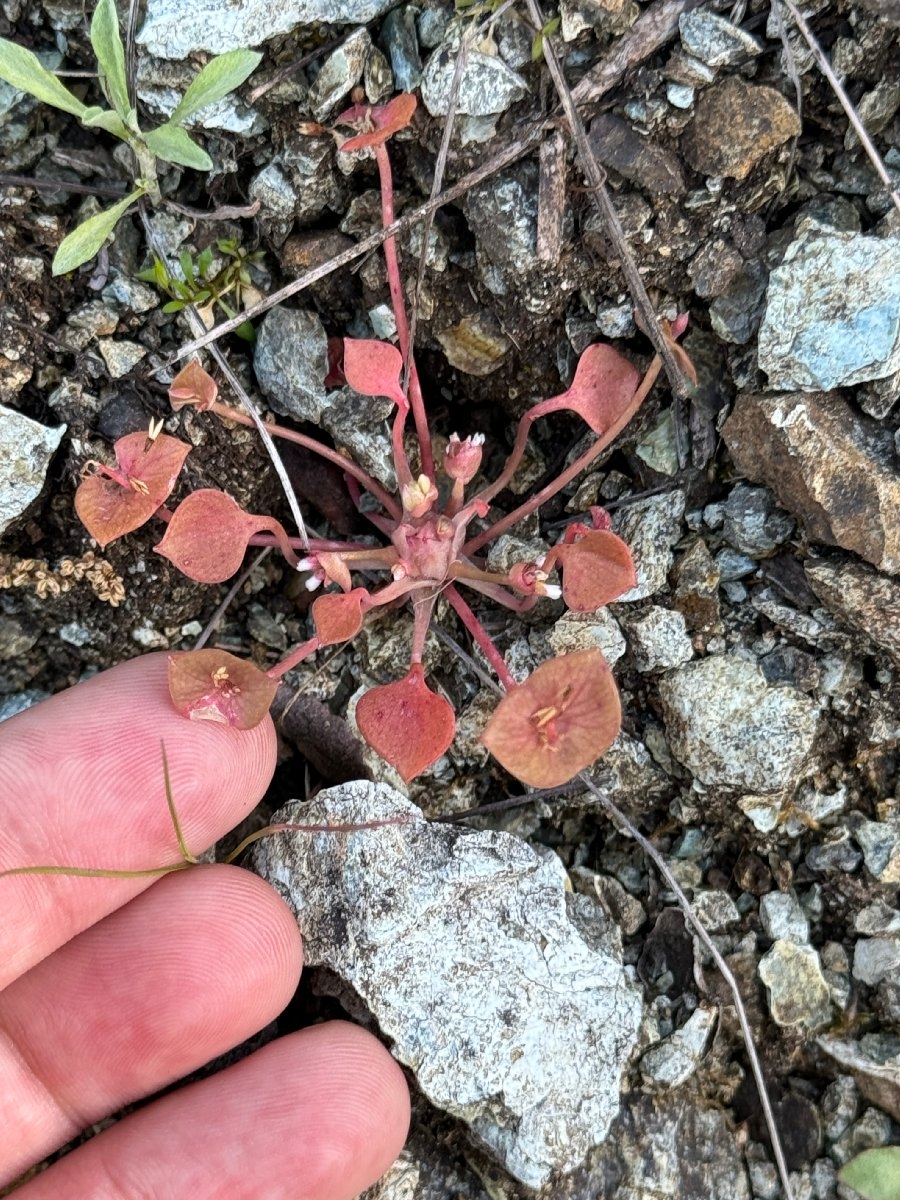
x: 169, y: 142
x: 875, y: 1174
x: 230, y: 288
x: 187, y: 858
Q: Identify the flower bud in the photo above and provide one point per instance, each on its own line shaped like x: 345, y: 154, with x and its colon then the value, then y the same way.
x: 528, y: 578
x: 418, y: 496
x: 462, y: 458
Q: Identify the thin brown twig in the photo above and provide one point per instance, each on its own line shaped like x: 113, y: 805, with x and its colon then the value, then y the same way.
x: 656, y: 25
x: 216, y: 619
x: 597, y: 181
x: 837, y: 87
x: 297, y: 64
x: 62, y: 185
x: 621, y: 820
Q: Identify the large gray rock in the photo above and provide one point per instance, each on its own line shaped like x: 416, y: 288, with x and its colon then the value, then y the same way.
x: 291, y: 362
x: 488, y: 85
x: 731, y: 730
x: 832, y: 311
x: 172, y: 29
x: 459, y: 944
x: 26, y: 448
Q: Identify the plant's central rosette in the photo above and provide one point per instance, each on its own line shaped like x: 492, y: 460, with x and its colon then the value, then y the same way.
x: 428, y: 547
x: 546, y: 729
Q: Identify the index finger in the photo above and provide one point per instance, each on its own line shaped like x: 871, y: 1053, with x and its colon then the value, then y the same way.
x: 81, y: 784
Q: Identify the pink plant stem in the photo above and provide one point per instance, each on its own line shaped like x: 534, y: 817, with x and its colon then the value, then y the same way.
x: 399, y: 305
x: 570, y: 473
x: 332, y: 456
x: 481, y: 637
x: 489, y: 584
x: 284, y: 543
x: 304, y: 650
x: 515, y: 455
x: 423, y: 607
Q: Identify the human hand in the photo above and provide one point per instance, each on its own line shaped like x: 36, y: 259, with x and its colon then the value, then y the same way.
x: 111, y: 989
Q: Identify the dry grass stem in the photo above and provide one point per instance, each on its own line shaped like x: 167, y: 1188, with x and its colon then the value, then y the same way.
x: 838, y: 88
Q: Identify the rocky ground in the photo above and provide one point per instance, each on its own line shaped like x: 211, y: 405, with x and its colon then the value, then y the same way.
x: 758, y: 655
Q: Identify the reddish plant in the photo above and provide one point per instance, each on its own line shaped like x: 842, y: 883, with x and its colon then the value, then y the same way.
x: 544, y: 730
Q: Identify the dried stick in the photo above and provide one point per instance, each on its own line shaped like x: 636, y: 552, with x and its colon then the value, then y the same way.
x: 655, y: 26
x: 597, y: 182
x: 837, y: 87
x: 623, y: 823
x: 215, y: 620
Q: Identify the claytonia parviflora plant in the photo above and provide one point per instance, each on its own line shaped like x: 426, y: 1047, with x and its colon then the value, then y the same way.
x: 432, y: 535
x: 168, y: 142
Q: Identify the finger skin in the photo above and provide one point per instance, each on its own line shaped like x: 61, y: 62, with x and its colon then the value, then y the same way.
x: 318, y: 1115
x: 198, y: 963
x: 81, y: 783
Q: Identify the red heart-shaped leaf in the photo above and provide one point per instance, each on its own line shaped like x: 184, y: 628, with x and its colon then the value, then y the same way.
x: 111, y: 505
x: 596, y: 569
x: 406, y: 723
x: 564, y: 716
x: 377, y: 122
x: 213, y: 685
x: 338, y: 617
x: 373, y: 368
x: 602, y: 389
x: 208, y: 534
x: 193, y: 385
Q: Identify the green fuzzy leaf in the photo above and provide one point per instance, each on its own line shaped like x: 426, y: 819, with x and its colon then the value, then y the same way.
x: 219, y: 77
x: 24, y: 71
x: 104, y: 118
x: 174, y: 306
x: 107, y: 42
x: 173, y: 145
x: 875, y: 1174
x: 83, y: 243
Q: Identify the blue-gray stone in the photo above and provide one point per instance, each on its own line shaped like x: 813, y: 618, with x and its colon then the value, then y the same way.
x: 832, y: 311
x: 398, y: 36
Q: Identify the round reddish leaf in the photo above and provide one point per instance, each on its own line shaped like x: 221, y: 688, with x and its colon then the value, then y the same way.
x: 602, y: 389
x: 373, y: 368
x: 208, y: 535
x: 109, y: 508
x: 338, y: 617
x: 595, y: 570
x: 213, y: 685
x: 406, y: 723
x: 193, y: 385
x: 377, y: 122
x: 564, y: 716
